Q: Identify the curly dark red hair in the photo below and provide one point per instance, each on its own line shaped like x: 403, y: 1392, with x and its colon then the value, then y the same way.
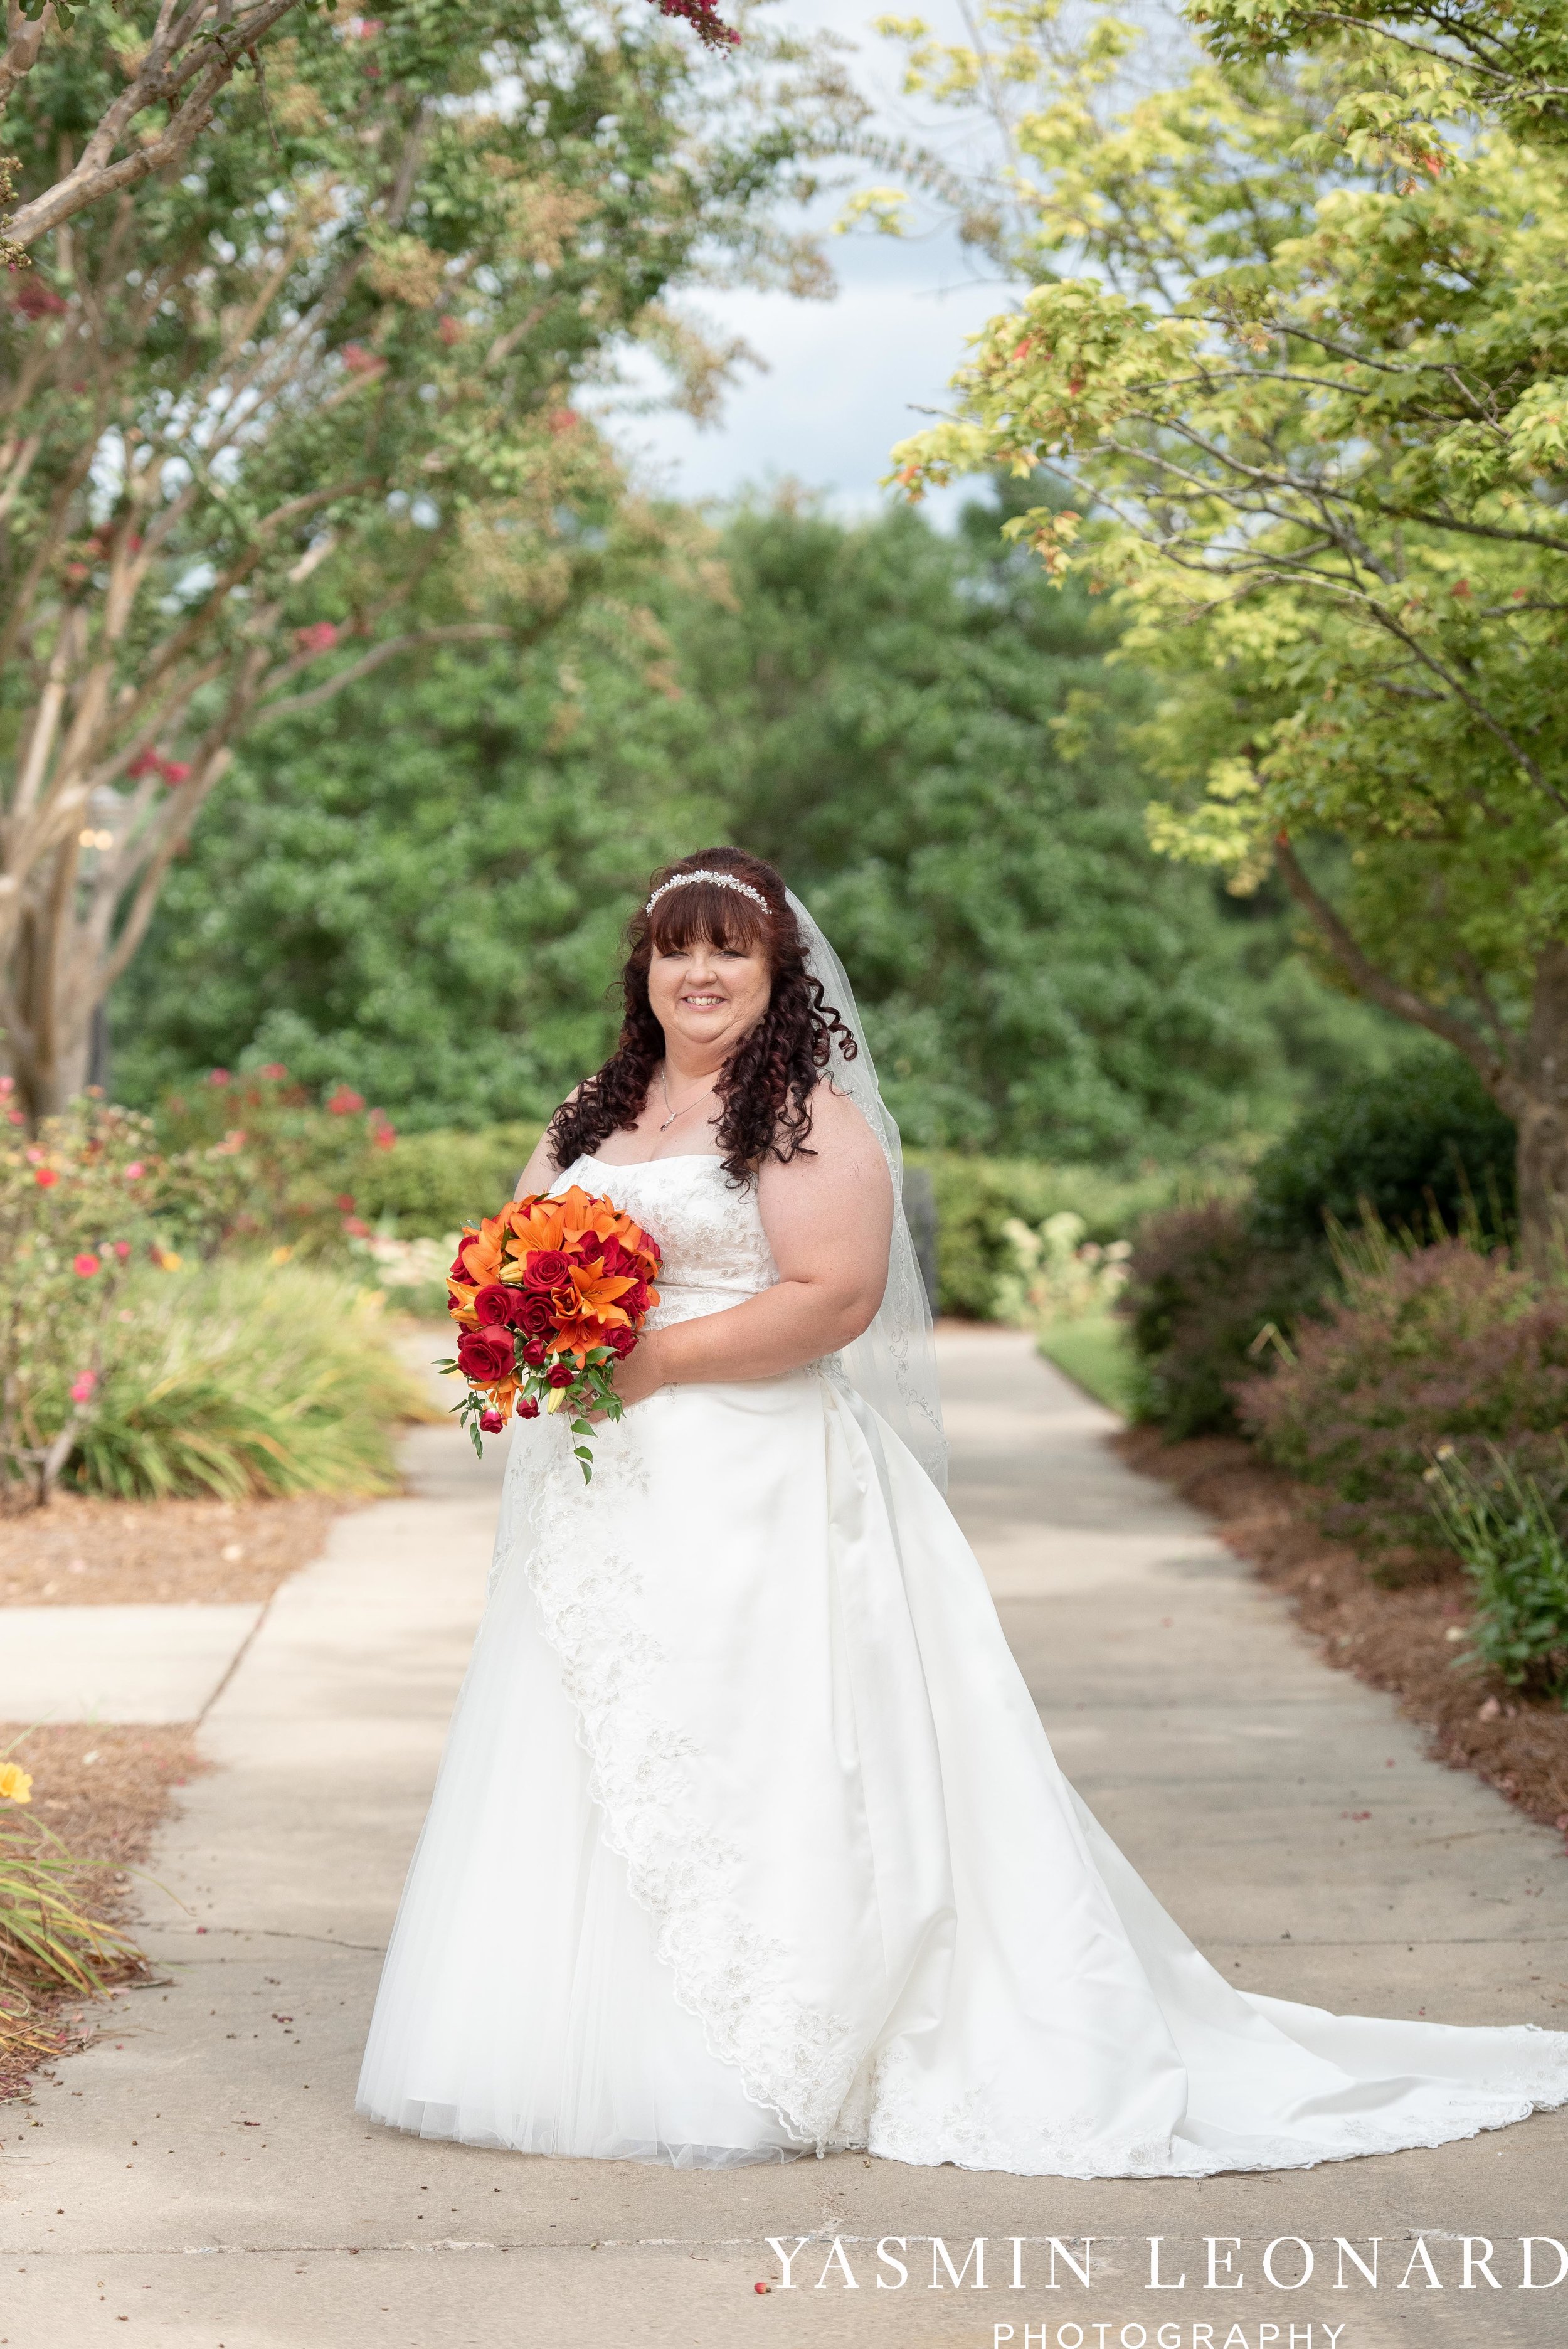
x: 765, y: 1088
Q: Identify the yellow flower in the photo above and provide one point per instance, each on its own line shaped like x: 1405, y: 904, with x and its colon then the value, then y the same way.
x: 282, y: 1254
x: 16, y: 1785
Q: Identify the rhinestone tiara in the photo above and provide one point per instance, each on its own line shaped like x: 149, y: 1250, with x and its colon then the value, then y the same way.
x: 722, y: 880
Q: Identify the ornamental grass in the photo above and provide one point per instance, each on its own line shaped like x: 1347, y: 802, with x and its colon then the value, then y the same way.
x: 48, y: 1939
x: 247, y: 1378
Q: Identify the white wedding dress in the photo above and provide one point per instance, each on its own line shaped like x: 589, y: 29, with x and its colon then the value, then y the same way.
x: 748, y: 1841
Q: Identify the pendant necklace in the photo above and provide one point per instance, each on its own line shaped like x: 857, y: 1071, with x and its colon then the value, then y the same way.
x: 664, y: 1088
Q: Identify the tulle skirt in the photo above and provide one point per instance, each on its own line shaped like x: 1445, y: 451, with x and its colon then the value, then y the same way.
x: 748, y: 1841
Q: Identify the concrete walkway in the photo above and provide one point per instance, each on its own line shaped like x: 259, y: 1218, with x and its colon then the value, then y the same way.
x: 199, y: 2181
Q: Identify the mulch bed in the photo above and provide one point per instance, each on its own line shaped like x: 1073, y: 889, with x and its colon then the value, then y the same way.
x: 82, y: 1551
x: 1405, y: 1640
x: 102, y: 1789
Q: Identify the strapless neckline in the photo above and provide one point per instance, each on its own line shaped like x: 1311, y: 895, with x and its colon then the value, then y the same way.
x: 634, y: 1165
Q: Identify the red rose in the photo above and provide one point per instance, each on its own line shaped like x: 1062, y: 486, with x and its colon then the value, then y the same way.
x: 533, y: 1312
x: 493, y: 1304
x: 536, y: 1353
x: 590, y: 1248
x: 622, y: 1342
x: 562, y: 1375
x: 529, y: 1407
x: 485, y: 1355
x: 459, y: 1269
x: 546, y: 1269
x: 615, y: 1260
x: 492, y: 1421
x: 634, y: 1300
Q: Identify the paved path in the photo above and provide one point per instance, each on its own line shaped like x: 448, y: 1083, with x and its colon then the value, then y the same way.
x: 200, y: 2181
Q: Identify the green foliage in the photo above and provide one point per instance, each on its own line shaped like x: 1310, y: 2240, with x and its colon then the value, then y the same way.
x: 433, y: 1184
x: 1422, y: 1140
x: 247, y: 1378
x: 1207, y: 1306
x: 976, y: 1198
x: 421, y: 889
x: 1311, y: 392
x: 254, y: 1159
x: 1510, y: 1537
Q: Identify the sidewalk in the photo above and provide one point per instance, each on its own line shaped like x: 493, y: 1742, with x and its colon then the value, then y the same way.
x: 1227, y: 1761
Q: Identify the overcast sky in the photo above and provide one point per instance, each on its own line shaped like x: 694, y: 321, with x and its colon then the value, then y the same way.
x: 844, y: 379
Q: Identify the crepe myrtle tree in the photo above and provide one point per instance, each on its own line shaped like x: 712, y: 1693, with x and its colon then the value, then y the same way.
x: 174, y: 63
x: 1296, y: 344
x: 300, y: 397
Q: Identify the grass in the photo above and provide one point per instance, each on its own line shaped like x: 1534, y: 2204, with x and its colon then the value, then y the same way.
x: 1097, y: 1355
x: 245, y: 1378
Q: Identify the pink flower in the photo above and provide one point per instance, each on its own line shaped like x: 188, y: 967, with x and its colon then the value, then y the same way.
x: 7, y: 1086
x: 345, y: 1201
x: 122, y: 1250
x: 33, y: 299
x: 146, y: 763
x: 492, y: 1421
x: 275, y: 1069
x: 175, y: 771
x: 17, y: 1116
x: 84, y: 1264
x: 356, y: 1228
x: 357, y: 359
x: 345, y: 1101
x: 45, y: 1177
x: 81, y: 1388
x: 319, y: 637
x: 217, y: 1076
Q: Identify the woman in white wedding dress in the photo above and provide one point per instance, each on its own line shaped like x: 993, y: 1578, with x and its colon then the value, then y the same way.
x: 748, y: 1840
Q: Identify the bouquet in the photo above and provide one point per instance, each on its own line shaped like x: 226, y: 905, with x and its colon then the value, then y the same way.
x: 550, y: 1294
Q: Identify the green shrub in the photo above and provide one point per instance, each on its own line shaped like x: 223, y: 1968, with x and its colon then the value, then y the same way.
x: 1203, y: 1296
x: 1428, y: 1346
x: 74, y: 1213
x: 244, y: 1377
x: 256, y: 1159
x: 1510, y: 1537
x: 435, y: 1183
x: 976, y: 1198
x: 1421, y: 1137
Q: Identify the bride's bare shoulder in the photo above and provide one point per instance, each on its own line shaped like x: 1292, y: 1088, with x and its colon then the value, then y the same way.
x: 840, y: 1145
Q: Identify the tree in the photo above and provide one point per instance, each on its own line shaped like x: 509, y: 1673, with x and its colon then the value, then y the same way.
x: 176, y: 62
x: 272, y: 417
x: 1311, y: 383
x: 420, y: 891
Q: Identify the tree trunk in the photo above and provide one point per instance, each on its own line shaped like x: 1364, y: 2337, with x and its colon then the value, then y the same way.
x: 1538, y: 1102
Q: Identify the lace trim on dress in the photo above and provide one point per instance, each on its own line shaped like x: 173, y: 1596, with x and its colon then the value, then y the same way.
x: 892, y: 2117
x: 795, y: 2060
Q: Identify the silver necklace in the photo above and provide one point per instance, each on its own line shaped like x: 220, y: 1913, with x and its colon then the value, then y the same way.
x: 664, y: 1088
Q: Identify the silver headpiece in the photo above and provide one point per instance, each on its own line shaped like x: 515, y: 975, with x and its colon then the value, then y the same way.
x: 723, y: 880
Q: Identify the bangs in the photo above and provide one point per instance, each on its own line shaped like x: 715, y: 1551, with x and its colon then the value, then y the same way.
x: 705, y: 909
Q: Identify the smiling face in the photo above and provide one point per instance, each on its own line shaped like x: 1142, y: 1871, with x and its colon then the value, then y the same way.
x: 706, y: 997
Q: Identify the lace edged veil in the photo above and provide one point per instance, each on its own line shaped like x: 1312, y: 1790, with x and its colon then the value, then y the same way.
x: 893, y: 1365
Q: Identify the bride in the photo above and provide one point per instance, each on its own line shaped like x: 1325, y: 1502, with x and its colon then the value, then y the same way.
x: 748, y: 1840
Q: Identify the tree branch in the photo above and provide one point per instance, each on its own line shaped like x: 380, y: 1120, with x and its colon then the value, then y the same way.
x: 1495, y: 1073
x: 159, y: 83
